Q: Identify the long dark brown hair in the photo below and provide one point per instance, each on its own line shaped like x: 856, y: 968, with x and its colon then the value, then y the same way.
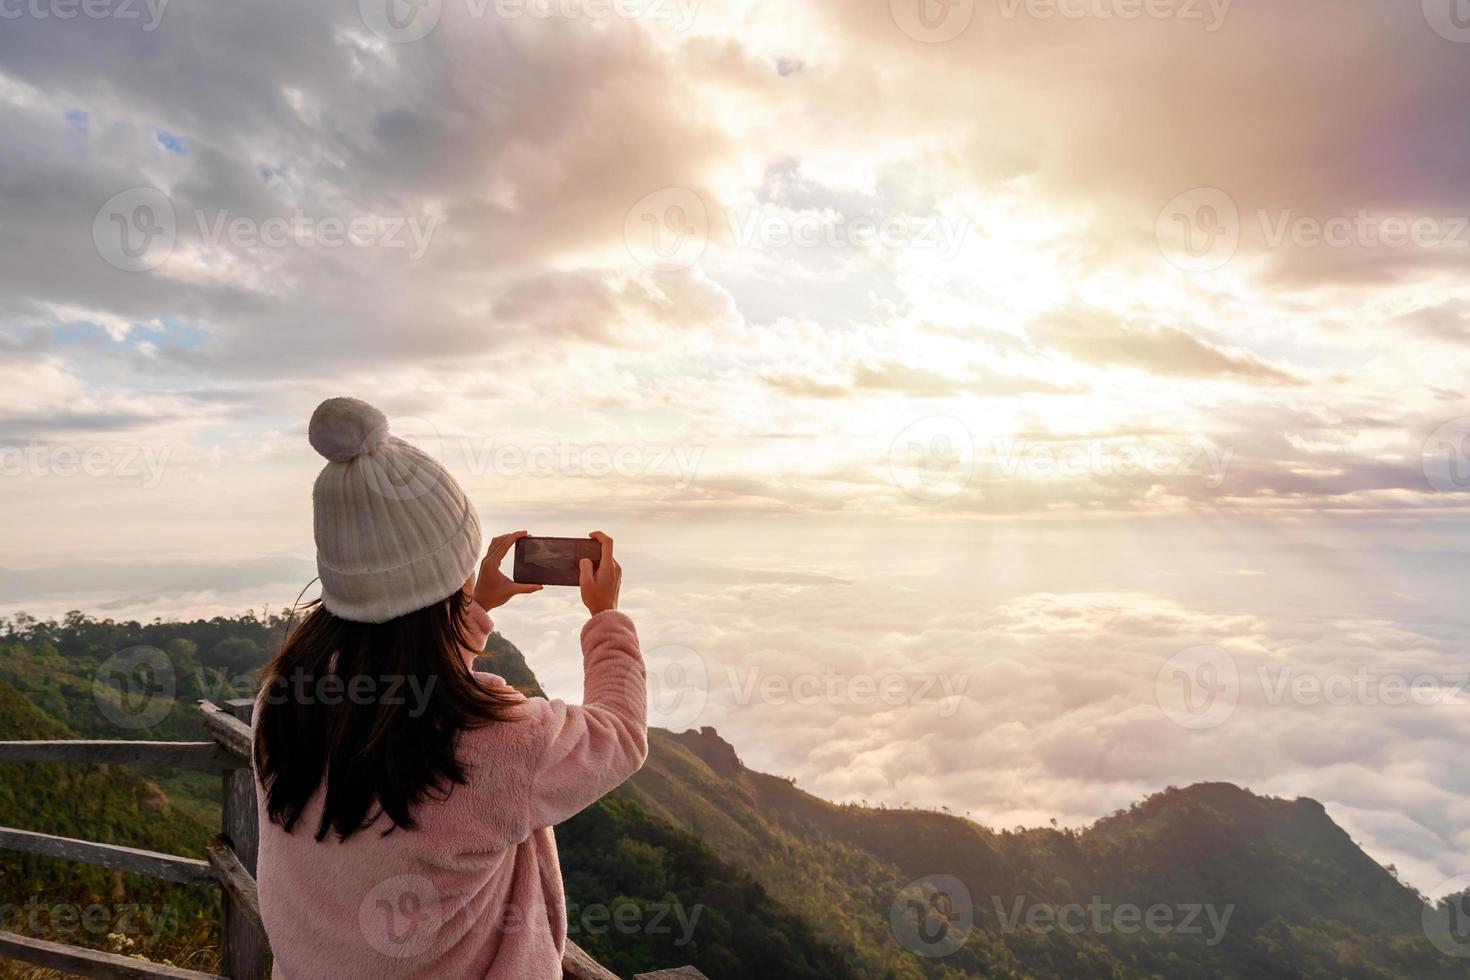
x: 369, y: 713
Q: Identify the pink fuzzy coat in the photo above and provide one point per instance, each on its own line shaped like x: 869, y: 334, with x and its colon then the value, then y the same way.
x: 475, y: 891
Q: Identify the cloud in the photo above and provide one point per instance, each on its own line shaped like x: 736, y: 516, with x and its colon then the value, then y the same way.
x: 1057, y: 713
x: 913, y: 382
x: 1097, y: 337
x: 1086, y: 373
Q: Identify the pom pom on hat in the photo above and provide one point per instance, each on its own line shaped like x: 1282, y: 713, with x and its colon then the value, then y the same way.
x: 342, y: 429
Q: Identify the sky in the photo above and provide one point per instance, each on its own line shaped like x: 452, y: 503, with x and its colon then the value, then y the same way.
x: 1014, y: 407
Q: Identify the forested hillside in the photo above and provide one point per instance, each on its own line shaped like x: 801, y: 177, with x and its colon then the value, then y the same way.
x: 737, y: 872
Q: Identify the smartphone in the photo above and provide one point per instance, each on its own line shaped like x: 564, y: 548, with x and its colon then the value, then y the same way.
x: 553, y: 561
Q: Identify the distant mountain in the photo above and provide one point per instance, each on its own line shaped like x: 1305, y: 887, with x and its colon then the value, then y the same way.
x: 1239, y: 885
x: 746, y: 876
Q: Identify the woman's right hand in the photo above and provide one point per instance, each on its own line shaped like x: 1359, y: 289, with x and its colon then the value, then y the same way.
x: 600, y: 588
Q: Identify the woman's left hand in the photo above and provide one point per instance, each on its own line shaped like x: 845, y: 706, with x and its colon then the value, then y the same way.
x: 493, y: 588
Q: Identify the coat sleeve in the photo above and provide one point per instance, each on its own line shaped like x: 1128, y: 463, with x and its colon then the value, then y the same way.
x: 592, y: 747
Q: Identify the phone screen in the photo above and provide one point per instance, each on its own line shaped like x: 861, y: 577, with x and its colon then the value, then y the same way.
x: 553, y: 561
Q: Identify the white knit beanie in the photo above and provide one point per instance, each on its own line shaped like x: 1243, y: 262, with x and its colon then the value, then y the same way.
x: 394, y: 532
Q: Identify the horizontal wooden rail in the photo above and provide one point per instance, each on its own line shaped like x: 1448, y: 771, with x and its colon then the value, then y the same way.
x: 206, y: 756
x: 169, y: 867
x: 229, y: 753
x: 81, y: 962
x: 229, y: 731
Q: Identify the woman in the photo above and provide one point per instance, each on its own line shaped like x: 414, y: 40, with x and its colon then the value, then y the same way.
x: 406, y: 801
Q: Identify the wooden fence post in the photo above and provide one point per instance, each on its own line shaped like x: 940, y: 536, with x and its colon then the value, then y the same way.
x: 243, y: 950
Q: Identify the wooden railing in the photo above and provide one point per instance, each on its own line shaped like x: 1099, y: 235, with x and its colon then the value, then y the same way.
x: 229, y: 862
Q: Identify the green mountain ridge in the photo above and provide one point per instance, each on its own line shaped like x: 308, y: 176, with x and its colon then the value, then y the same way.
x: 745, y: 875
x: 1302, y: 898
